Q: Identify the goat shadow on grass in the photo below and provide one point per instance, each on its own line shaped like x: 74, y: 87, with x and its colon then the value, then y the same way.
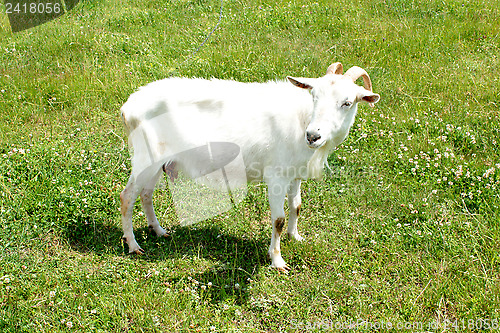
x: 236, y: 259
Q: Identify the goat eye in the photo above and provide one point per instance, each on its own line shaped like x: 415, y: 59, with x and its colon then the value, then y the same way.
x: 347, y: 104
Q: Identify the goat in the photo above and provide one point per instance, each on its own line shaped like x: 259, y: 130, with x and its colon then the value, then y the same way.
x: 281, y: 129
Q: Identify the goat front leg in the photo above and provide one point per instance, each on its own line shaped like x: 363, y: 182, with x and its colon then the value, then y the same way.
x: 294, y: 203
x: 128, y: 197
x: 277, y: 193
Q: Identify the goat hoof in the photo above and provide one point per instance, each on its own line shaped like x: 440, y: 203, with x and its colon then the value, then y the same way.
x: 162, y: 233
x: 159, y: 232
x: 296, y: 237
x: 280, y: 265
x: 284, y: 269
x: 139, y: 251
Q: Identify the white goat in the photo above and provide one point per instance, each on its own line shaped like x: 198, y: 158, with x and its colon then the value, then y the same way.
x: 281, y: 131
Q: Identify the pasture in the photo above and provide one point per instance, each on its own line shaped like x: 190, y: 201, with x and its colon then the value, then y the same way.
x: 402, y: 235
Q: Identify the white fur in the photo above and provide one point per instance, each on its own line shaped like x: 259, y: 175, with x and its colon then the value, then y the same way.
x: 268, y: 121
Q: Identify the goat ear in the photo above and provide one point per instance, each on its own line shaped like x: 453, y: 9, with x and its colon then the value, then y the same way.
x: 300, y: 82
x: 367, y: 96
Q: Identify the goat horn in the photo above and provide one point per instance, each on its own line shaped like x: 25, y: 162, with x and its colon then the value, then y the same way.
x: 335, y: 68
x: 356, y: 72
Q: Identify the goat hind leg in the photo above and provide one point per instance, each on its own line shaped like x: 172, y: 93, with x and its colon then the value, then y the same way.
x: 128, y: 197
x: 147, y: 206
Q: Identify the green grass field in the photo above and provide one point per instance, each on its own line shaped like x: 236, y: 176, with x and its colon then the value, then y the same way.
x: 406, y: 230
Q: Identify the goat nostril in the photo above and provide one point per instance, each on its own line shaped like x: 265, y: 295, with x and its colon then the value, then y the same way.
x: 313, y: 137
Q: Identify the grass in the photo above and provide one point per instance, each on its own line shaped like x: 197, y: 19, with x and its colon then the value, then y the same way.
x: 405, y: 230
